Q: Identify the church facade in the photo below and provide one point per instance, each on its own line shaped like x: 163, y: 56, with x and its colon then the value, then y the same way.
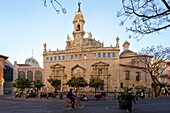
x: 86, y: 57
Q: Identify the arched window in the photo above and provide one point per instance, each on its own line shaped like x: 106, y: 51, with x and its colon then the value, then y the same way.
x: 30, y: 75
x: 21, y: 74
x: 38, y: 76
x: 78, y: 27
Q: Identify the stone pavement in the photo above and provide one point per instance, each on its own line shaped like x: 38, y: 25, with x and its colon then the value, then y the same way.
x: 9, y: 104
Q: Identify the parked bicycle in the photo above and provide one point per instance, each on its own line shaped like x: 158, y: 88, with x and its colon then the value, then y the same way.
x: 67, y: 105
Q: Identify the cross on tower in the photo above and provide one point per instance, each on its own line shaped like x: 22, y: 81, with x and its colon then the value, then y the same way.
x: 79, y: 7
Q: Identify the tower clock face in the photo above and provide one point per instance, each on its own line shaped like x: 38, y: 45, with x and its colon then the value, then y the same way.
x: 78, y: 36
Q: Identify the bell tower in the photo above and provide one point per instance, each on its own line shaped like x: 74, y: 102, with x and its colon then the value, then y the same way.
x: 78, y: 22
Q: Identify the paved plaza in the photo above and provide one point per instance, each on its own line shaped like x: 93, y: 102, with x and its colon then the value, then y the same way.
x: 9, y: 104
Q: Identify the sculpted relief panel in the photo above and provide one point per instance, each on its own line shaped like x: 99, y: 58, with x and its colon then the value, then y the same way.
x: 78, y: 71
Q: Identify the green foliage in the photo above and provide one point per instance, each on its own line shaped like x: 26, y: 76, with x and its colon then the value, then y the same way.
x: 77, y: 82
x: 161, y: 84
x: 95, y: 82
x: 54, y: 82
x: 37, y: 84
x: 123, y: 103
x: 123, y: 98
x: 21, y: 83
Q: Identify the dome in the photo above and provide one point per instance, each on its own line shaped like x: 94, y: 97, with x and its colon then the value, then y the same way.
x: 32, y: 62
x: 126, y: 51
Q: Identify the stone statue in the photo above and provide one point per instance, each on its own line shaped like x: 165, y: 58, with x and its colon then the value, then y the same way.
x: 68, y: 38
x: 45, y: 46
x: 90, y: 35
x: 117, y: 41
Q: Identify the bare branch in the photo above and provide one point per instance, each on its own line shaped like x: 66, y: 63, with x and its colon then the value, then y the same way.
x: 63, y: 10
x: 156, y: 64
x: 148, y: 16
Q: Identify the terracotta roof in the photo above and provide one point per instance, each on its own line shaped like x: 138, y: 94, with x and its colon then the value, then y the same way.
x: 5, y: 57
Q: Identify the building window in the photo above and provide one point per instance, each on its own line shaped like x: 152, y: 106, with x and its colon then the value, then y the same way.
x: 78, y: 27
x: 104, y: 55
x: 121, y: 85
x: 138, y: 78
x: 59, y: 58
x: 55, y: 58
x: 63, y: 57
x: 113, y: 55
x: 127, y: 76
x: 76, y: 56
x: 85, y: 56
x: 47, y: 58
x: 51, y: 58
x: 133, y: 61
x: 94, y: 55
x: 80, y: 56
x: 99, y: 55
x: 71, y: 57
x: 108, y: 55
x: 100, y: 71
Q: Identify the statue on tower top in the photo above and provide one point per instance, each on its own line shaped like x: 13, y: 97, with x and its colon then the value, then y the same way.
x: 79, y: 7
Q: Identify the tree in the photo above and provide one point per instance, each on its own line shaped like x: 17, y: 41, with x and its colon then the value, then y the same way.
x: 37, y: 85
x: 54, y: 3
x: 154, y: 65
x: 148, y: 16
x: 55, y: 83
x: 21, y: 83
x: 95, y: 82
x: 77, y: 82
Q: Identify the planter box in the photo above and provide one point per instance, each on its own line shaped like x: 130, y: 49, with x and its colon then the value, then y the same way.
x: 123, y: 104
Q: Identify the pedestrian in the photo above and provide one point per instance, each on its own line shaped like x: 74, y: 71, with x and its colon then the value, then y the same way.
x: 72, y: 97
x: 60, y: 95
x: 142, y: 95
x: 130, y: 98
x: 27, y: 91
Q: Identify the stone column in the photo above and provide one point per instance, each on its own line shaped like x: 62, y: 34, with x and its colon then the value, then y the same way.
x: 1, y: 86
x: 1, y: 76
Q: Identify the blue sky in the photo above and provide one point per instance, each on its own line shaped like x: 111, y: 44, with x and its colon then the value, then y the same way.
x: 26, y: 24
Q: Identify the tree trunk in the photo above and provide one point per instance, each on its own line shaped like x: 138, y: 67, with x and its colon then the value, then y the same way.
x: 76, y: 91
x: 154, y: 84
x: 155, y: 92
x: 95, y: 91
x: 159, y: 92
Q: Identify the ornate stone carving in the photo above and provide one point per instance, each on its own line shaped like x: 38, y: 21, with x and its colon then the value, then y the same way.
x: 45, y: 46
x: 90, y: 35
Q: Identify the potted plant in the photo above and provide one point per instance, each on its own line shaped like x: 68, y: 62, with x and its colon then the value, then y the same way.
x: 122, y: 99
